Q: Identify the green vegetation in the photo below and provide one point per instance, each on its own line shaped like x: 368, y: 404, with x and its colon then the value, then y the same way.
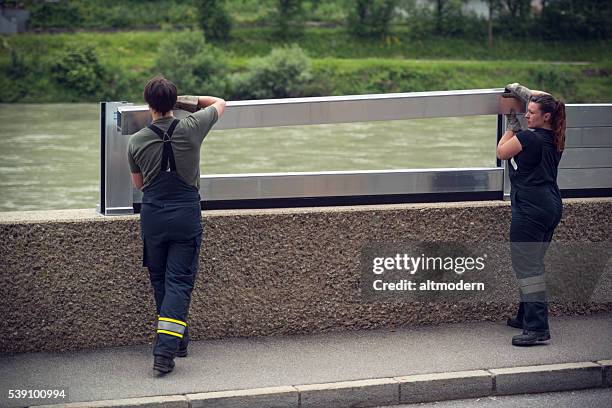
x: 91, y: 66
x: 284, y: 73
x: 192, y: 64
x: 371, y: 18
x: 277, y: 48
x: 557, y: 19
x: 213, y: 19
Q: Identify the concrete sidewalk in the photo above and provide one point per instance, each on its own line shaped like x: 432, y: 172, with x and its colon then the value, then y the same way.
x: 236, y: 364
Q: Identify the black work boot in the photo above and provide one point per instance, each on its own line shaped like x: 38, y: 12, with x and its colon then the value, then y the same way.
x: 514, y: 322
x: 163, y: 364
x: 529, y: 338
x: 517, y: 322
x: 182, y: 350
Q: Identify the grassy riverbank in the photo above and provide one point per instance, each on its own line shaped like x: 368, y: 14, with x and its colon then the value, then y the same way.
x: 577, y: 71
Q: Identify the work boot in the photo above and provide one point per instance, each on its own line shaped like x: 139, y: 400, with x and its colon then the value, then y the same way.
x: 182, y: 350
x: 163, y: 364
x: 529, y: 338
x: 514, y: 322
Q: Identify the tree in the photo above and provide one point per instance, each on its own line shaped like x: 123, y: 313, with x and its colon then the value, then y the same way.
x: 493, y: 6
x: 213, y: 19
x: 288, y: 17
x: 517, y: 8
x: 371, y: 18
x: 439, y: 15
x: 573, y: 19
x: 447, y: 12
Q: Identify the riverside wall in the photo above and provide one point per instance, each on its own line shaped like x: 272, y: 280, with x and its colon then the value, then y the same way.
x: 73, y: 279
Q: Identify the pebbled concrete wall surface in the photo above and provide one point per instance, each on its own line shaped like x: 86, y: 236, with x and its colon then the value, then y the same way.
x: 73, y: 279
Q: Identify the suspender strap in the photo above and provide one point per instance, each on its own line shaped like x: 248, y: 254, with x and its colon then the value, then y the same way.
x: 168, y: 154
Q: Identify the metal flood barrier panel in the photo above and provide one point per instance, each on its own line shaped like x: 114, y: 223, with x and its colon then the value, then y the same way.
x: 586, y: 168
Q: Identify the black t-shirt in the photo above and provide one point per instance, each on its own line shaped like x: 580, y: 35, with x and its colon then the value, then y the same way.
x: 535, y: 165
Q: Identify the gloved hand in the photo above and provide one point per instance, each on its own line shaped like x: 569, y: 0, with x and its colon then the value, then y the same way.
x: 187, y: 102
x: 512, y: 122
x: 518, y: 91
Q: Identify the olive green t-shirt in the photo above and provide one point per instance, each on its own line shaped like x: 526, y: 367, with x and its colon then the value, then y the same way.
x: 145, y: 147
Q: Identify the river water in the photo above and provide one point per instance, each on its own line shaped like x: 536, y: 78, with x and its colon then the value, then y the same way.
x: 49, y: 153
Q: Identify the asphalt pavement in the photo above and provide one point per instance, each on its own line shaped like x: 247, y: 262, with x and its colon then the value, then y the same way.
x: 243, y: 363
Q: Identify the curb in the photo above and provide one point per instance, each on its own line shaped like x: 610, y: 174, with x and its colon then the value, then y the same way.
x: 386, y: 391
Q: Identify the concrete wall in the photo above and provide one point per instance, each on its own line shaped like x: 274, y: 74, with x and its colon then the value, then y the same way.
x: 72, y: 279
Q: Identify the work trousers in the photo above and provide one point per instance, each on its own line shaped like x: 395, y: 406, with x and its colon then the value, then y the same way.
x: 535, y: 215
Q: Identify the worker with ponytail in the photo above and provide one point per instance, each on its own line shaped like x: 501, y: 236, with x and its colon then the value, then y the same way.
x: 533, y: 158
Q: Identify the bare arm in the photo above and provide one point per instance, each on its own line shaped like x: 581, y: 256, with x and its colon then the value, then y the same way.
x: 508, y: 146
x: 535, y: 92
x: 137, y: 180
x: 218, y: 103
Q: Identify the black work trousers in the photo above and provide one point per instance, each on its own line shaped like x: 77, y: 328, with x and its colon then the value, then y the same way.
x: 172, y: 234
x: 535, y: 215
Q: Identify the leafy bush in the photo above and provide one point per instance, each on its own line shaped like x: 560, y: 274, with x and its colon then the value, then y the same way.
x: 371, y: 18
x: 80, y: 71
x: 59, y: 14
x: 284, y: 73
x: 213, y: 19
x: 193, y: 65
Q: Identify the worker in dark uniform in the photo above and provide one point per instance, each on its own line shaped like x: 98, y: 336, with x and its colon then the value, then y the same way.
x: 164, y: 160
x: 534, y: 157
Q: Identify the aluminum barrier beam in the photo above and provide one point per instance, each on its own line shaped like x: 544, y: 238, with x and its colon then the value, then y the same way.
x: 340, y: 109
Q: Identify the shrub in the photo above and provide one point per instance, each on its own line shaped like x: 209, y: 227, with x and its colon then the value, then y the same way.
x: 80, y: 71
x: 59, y: 14
x: 193, y: 65
x: 284, y: 73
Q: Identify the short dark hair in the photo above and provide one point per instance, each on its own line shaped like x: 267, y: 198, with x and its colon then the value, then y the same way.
x: 160, y: 94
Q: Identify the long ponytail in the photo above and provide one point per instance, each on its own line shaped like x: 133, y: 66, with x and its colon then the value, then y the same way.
x: 548, y: 104
x: 558, y: 125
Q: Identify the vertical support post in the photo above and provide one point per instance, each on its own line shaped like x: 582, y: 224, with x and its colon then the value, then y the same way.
x: 101, y: 207
x: 500, y: 133
x: 501, y: 125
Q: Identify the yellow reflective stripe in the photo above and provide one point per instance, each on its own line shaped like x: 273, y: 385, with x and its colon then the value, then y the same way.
x: 170, y: 333
x: 167, y: 319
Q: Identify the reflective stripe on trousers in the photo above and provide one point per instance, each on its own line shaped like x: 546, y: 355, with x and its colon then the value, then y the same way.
x: 172, y: 234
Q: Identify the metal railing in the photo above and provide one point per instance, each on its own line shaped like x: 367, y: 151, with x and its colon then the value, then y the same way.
x: 590, y: 127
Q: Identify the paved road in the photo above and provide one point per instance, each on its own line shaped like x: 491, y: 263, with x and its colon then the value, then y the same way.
x: 124, y: 372
x: 593, y: 398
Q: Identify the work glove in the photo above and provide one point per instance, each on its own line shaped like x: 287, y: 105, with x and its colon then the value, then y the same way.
x: 187, y: 102
x: 517, y: 91
x: 512, y: 122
